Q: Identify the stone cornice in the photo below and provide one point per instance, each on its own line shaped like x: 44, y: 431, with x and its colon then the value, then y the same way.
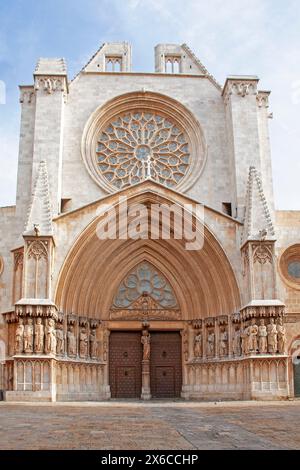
x: 240, y: 86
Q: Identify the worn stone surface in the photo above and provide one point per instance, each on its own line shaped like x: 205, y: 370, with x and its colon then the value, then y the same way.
x: 157, y: 425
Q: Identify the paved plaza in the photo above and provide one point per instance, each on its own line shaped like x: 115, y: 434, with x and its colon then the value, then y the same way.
x: 154, y: 425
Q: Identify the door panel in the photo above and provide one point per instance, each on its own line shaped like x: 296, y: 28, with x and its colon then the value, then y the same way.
x: 165, y: 364
x: 125, y: 364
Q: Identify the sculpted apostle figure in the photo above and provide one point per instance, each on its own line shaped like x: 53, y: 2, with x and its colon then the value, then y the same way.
x: 93, y: 344
x: 145, y: 340
x: 71, y: 342
x: 211, y: 344
x: 252, y: 333
x: 223, y: 342
x: 28, y: 336
x: 59, y: 340
x: 19, y: 337
x: 281, y: 336
x: 51, y: 337
x: 272, y: 337
x: 83, y: 343
x: 198, y: 345
x: 262, y: 337
x: 237, y: 342
x: 39, y: 336
x: 245, y: 340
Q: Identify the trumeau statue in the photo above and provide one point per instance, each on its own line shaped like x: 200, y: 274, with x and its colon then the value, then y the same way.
x: 272, y: 337
x: 211, y: 344
x: 71, y: 342
x: 59, y: 340
x: 281, y: 336
x: 145, y: 340
x: 252, y: 333
x: 262, y: 337
x: 93, y: 345
x: 198, y: 345
x: 223, y: 342
x: 51, y: 337
x: 19, y: 337
x: 83, y: 343
x: 39, y: 334
x: 28, y: 336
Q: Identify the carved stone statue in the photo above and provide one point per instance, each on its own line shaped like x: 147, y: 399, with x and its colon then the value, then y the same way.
x: 28, y: 336
x: 19, y: 337
x: 223, y: 343
x: 211, y: 344
x: 252, y: 333
x: 71, y: 342
x: 50, y: 337
x: 281, y: 336
x: 39, y: 334
x: 145, y: 340
x: 83, y: 343
x: 262, y: 337
x: 237, y: 342
x: 272, y: 337
x: 198, y: 345
x: 93, y: 345
x: 60, y: 343
x: 245, y: 340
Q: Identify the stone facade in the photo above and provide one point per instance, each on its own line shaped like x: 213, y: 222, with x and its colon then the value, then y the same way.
x: 173, y: 137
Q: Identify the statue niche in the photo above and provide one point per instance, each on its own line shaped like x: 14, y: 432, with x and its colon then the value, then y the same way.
x: 145, y: 294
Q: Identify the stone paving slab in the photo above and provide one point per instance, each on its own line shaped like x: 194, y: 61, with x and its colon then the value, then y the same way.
x: 153, y: 425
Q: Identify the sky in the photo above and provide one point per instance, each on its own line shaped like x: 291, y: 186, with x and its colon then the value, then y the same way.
x: 232, y: 37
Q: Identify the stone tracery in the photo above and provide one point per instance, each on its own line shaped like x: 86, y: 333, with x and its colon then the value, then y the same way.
x: 137, y: 140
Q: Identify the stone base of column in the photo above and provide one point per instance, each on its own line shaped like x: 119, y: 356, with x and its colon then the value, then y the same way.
x: 146, y: 391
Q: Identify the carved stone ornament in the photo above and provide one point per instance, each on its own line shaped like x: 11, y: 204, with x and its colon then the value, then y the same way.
x: 262, y: 254
x: 37, y: 249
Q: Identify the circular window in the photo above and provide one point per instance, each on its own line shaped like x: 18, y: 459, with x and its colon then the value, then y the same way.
x: 143, y: 135
x: 290, y: 266
x: 294, y: 269
x: 141, y: 144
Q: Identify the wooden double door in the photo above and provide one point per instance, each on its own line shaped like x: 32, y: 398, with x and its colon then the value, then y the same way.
x: 125, y: 364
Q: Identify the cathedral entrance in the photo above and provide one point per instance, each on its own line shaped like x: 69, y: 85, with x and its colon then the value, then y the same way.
x: 125, y: 364
x: 165, y: 365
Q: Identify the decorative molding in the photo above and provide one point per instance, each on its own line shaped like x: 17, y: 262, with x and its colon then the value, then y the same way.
x: 18, y: 260
x: 262, y: 311
x: 142, y: 315
x: 36, y: 310
x: 262, y: 253
x: 262, y: 99
x: 239, y: 87
x: 37, y: 249
x: 27, y: 95
x: 50, y: 84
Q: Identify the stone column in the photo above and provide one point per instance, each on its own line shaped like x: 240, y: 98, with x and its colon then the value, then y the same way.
x: 146, y: 390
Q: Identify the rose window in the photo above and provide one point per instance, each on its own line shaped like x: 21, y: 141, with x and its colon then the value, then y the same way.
x: 140, y: 145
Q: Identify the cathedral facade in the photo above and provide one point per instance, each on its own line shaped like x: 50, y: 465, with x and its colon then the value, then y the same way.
x: 92, y: 305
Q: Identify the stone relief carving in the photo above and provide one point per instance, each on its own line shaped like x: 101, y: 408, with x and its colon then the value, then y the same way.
x: 223, y: 342
x: 60, y: 343
x: 210, y: 347
x: 28, y: 336
x: 19, y: 342
x: 146, y: 340
x: 198, y: 345
x: 262, y: 254
x: 237, y: 350
x: 93, y: 344
x: 37, y: 250
x: 39, y: 334
x: 252, y: 332
x: 272, y: 337
x: 71, y: 341
x: 83, y: 343
x: 281, y: 336
x: 50, y: 337
x: 262, y: 337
